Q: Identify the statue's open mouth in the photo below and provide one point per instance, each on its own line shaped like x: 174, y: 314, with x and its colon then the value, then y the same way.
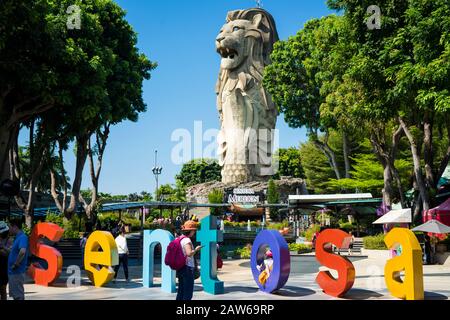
x: 227, y: 53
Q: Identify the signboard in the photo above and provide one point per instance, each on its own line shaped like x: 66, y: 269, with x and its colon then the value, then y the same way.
x: 243, y: 196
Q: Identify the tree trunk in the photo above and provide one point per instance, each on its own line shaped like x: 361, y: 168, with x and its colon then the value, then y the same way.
x: 101, y: 141
x: 396, y: 176
x: 331, y: 156
x: 37, y: 161
x: 417, y: 207
x: 428, y: 151
x: 417, y: 167
x: 378, y: 140
x: 396, y: 136
x: 346, y: 151
x: 80, y: 162
x: 5, y: 145
x: 387, y: 190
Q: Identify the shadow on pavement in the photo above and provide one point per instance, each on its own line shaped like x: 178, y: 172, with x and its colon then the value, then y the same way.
x: 235, y: 289
x: 361, y: 294
x: 296, y: 292
x: 122, y: 284
x: 434, y: 296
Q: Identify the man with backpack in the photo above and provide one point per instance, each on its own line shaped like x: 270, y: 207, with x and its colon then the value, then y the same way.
x: 180, y: 257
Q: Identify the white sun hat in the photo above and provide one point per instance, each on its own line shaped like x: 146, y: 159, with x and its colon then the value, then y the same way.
x: 3, y: 227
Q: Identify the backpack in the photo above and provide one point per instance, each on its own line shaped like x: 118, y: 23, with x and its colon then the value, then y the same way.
x: 175, y: 257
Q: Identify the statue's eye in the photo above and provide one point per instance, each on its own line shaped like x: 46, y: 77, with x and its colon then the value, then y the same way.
x: 236, y: 29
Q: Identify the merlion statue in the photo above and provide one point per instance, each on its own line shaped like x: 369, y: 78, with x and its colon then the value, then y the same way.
x: 247, y: 113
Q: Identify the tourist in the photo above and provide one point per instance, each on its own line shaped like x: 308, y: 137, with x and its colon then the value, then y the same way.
x: 178, y: 226
x: 265, y: 268
x: 427, y: 250
x: 314, y: 239
x: 186, y: 274
x: 5, y: 246
x: 98, y: 225
x: 17, y: 261
x: 219, y: 258
x: 352, y: 242
x: 122, y: 248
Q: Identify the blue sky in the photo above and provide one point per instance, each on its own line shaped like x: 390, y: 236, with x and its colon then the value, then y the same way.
x: 179, y: 36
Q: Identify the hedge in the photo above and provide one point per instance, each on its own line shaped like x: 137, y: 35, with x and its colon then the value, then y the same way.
x: 374, y: 242
x: 300, y: 248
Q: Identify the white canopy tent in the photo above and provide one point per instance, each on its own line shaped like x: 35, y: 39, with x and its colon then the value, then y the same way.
x: 433, y: 226
x: 323, y: 198
x: 395, y: 216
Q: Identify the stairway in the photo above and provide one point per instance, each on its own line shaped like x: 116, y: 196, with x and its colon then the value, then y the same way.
x: 357, y: 246
x: 134, y: 247
x: 70, y: 248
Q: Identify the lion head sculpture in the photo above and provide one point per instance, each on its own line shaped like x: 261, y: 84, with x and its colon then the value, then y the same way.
x: 245, y: 44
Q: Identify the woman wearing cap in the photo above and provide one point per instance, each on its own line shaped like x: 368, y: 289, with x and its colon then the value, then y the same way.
x: 5, y: 246
x: 186, y: 274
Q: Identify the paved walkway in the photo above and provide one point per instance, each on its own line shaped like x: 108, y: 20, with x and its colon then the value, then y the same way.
x: 239, y: 284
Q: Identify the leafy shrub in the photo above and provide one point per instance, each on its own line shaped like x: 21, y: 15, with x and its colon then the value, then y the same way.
x: 300, y: 248
x: 278, y: 226
x: 216, y: 196
x: 347, y: 226
x: 71, y: 234
x: 374, y: 242
x: 311, y: 231
x: 245, y: 252
x: 71, y: 227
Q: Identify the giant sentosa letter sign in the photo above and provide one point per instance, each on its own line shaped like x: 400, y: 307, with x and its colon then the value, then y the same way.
x: 98, y: 263
x: 281, y: 260
x: 410, y: 261
x: 101, y: 255
x: 53, y: 257
x: 151, y: 239
x: 208, y: 236
x: 346, y: 271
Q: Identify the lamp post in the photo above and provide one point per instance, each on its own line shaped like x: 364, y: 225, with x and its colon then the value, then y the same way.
x: 156, y: 172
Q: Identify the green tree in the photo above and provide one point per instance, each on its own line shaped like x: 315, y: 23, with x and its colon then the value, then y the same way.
x: 107, y: 91
x: 317, y: 169
x: 216, y: 196
x: 31, y: 66
x: 368, y: 173
x: 305, y: 70
x: 170, y: 193
x: 273, y: 197
x: 401, y: 72
x: 199, y: 171
x: 289, y: 163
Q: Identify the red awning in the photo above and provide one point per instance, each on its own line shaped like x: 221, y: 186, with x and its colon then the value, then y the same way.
x: 441, y: 213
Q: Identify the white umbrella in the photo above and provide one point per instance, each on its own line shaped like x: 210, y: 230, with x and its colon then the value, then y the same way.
x: 395, y: 216
x: 433, y: 226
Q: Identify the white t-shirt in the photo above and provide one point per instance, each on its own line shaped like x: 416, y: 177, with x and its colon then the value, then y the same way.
x: 121, y: 243
x: 189, y: 260
x: 268, y: 265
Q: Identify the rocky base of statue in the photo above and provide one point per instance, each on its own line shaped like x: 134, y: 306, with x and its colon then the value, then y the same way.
x: 286, y: 186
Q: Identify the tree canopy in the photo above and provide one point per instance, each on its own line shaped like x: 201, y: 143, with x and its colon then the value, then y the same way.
x: 199, y: 171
